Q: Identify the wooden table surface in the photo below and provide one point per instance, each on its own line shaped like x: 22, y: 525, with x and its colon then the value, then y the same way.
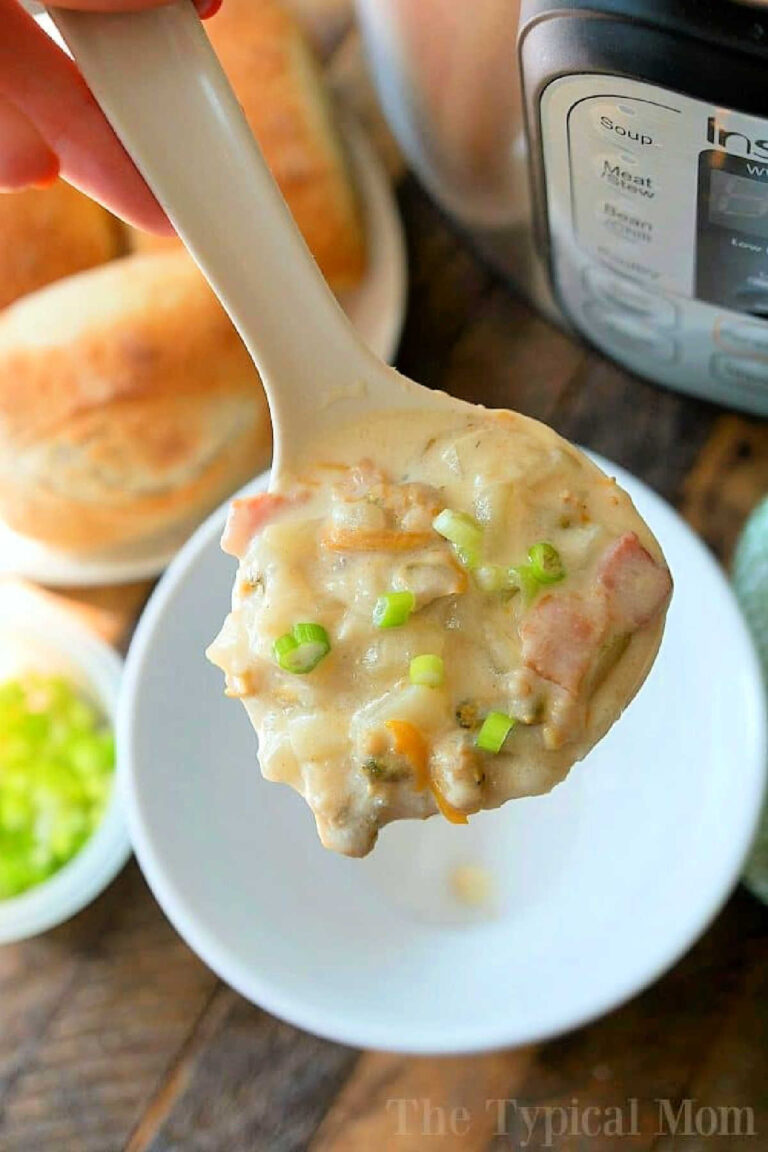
x: 113, y: 1035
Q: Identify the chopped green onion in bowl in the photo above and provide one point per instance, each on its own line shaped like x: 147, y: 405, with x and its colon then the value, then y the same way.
x: 57, y: 761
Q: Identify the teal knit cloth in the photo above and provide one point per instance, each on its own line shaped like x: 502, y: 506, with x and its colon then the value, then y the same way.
x: 750, y: 580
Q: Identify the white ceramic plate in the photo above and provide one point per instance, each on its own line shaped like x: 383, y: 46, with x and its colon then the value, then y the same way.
x: 376, y: 308
x: 36, y: 636
x: 600, y: 886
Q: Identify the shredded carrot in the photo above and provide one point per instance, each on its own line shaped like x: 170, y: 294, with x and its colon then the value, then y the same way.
x: 380, y: 540
x: 452, y: 814
x: 463, y: 583
x: 409, y: 742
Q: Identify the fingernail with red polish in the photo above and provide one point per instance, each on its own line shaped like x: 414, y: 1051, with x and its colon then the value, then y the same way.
x: 208, y: 8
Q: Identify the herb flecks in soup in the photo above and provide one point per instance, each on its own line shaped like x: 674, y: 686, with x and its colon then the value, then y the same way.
x: 443, y: 635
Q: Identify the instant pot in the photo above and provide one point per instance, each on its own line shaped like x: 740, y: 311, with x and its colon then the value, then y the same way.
x: 611, y: 157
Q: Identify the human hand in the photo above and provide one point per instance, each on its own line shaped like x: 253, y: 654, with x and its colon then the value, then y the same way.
x: 50, y: 124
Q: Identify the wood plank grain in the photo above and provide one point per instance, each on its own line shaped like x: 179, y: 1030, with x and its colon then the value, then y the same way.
x: 726, y: 1101
x: 655, y: 433
x: 685, y: 1034
x: 507, y: 356
x: 728, y: 478
x: 651, y: 1048
x: 406, y: 1104
x: 180, y: 1073
x: 447, y: 285
x: 120, y: 994
x: 256, y: 1084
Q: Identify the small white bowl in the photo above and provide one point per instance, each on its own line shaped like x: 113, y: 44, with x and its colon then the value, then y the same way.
x: 599, y: 886
x: 37, y: 637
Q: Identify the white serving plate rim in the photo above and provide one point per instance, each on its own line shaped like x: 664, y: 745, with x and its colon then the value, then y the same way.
x: 276, y: 997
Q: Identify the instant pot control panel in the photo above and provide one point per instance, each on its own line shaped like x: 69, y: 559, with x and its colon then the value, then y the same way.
x: 657, y: 219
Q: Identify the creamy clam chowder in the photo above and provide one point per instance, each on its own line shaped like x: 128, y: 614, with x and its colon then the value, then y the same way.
x: 440, y: 633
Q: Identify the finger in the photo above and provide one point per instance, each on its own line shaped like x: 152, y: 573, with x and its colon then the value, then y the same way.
x: 206, y: 8
x: 25, y: 158
x: 44, y: 84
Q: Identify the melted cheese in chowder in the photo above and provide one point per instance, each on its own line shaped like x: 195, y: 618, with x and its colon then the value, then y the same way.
x: 488, y: 545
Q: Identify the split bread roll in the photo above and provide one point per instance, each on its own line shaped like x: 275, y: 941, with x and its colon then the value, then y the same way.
x: 277, y: 80
x: 128, y: 405
x: 49, y: 233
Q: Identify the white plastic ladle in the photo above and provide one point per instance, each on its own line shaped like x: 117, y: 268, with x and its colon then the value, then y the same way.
x: 163, y: 90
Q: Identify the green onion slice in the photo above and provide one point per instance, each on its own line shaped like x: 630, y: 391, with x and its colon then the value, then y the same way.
x: 462, y: 530
x: 493, y: 578
x: 546, y: 565
x: 428, y: 670
x: 469, y: 558
x: 494, y: 731
x: 393, y: 609
x: 522, y: 577
x: 302, y: 649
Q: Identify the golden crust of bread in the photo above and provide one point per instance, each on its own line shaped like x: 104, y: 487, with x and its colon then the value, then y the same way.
x: 49, y: 233
x: 128, y: 405
x: 276, y: 78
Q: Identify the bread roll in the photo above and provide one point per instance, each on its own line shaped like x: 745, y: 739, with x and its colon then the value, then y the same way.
x: 49, y: 233
x: 128, y: 405
x: 277, y: 80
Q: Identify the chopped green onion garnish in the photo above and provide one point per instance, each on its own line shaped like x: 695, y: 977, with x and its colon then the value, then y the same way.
x: 493, y: 578
x: 494, y: 731
x: 56, y: 773
x: 462, y: 531
x: 311, y: 634
x: 393, y: 609
x: 302, y: 649
x: 468, y: 558
x: 523, y: 578
x: 428, y: 670
x: 546, y: 565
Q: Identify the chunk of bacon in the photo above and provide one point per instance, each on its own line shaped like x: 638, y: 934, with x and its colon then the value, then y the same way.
x: 561, y: 636
x: 247, y: 516
x: 636, y: 585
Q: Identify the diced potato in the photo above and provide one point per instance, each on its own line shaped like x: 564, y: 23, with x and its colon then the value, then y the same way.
x: 320, y: 736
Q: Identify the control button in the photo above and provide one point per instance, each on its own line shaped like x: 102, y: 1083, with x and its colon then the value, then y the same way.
x: 742, y: 336
x: 739, y: 370
x: 622, y: 222
x: 627, y: 176
x: 636, y: 128
x: 616, y: 291
x: 629, y: 333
